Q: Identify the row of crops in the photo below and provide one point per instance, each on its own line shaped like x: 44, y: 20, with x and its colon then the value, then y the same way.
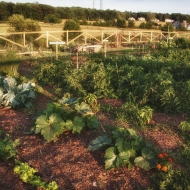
x: 160, y: 81
x: 145, y: 84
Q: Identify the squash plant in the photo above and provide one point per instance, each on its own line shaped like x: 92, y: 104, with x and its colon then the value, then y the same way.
x: 125, y: 147
x: 15, y: 95
x: 69, y: 114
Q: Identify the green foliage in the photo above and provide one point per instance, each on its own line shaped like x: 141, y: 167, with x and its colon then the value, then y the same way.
x: 7, y: 146
x: 131, y: 23
x: 167, y: 27
x: 21, y: 24
x: 182, y: 43
x: 71, y: 25
x: 138, y: 116
x: 98, y: 142
x: 13, y: 95
x: 147, y: 160
x: 185, y: 126
x: 159, y: 81
x: 124, y: 148
x: 67, y: 115
x: 27, y: 175
x: 50, y: 127
x: 52, y: 18
x: 174, y: 179
x: 121, y: 23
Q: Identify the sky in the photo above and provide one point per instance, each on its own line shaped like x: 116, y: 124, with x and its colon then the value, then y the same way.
x: 157, y: 6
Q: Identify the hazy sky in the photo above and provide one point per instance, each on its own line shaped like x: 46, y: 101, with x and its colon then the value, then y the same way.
x: 159, y: 6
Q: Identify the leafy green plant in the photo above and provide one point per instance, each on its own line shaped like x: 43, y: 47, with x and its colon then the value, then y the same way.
x: 15, y: 95
x: 68, y: 115
x: 92, y: 100
x: 185, y: 126
x: 132, y: 113
x: 28, y: 175
x: 123, y: 148
x: 7, y: 146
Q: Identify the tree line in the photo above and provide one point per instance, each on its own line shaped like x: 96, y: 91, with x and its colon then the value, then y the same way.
x: 47, y: 13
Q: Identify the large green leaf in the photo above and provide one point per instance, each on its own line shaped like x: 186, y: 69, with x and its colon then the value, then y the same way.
x: 53, y: 108
x: 75, y: 126
x: 91, y: 122
x: 122, y: 144
x: 68, y: 101
x: 147, y: 160
x: 83, y: 108
x: 99, y: 142
x: 51, y: 127
x: 120, y: 133
x: 112, y: 160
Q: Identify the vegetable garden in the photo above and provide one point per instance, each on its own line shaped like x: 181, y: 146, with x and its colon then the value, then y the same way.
x: 120, y: 122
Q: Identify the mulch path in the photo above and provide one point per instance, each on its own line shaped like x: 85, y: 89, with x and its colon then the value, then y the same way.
x: 68, y: 162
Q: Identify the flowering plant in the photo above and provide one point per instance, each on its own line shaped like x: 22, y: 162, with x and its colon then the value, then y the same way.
x: 164, y: 162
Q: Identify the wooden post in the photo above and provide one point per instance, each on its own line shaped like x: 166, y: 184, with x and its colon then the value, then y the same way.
x: 85, y: 37
x: 129, y: 36
x: 56, y: 50
x: 102, y: 37
x: 24, y: 39
x: 77, y: 59
x: 67, y: 40
x: 47, y: 40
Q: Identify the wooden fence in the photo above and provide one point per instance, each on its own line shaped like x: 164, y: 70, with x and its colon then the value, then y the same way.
x: 117, y: 38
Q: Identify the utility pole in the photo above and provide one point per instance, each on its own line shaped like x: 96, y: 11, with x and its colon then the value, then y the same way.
x: 101, y: 4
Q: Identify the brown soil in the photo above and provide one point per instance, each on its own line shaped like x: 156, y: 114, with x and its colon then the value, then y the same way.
x: 67, y: 161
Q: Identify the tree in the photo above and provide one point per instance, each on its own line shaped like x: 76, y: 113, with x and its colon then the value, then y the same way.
x: 52, y: 18
x: 17, y: 22
x: 167, y: 26
x: 71, y: 25
x: 131, y: 23
x: 121, y: 23
x: 20, y: 24
x: 182, y: 43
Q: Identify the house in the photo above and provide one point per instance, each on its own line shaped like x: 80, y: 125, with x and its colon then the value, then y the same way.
x: 156, y: 20
x: 176, y: 24
x: 141, y: 19
x: 131, y: 18
x: 188, y: 26
x: 168, y: 20
x: 88, y: 48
